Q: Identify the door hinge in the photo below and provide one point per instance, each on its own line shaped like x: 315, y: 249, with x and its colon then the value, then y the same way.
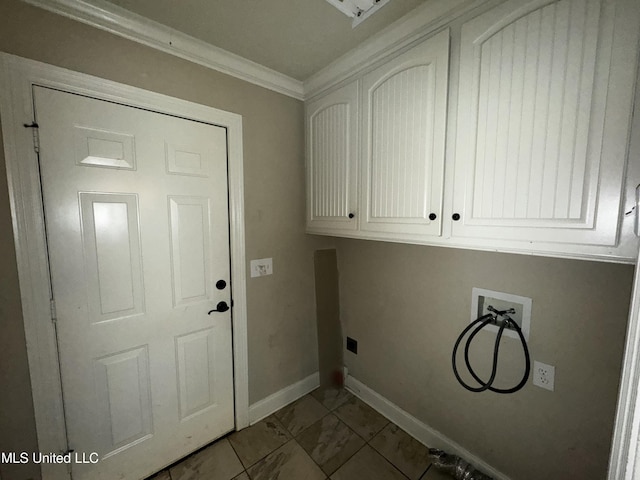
x: 36, y: 135
x: 54, y: 315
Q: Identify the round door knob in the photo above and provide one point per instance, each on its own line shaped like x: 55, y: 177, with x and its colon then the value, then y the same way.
x: 220, y: 307
x: 221, y: 284
x: 351, y: 215
x: 455, y: 216
x: 432, y: 216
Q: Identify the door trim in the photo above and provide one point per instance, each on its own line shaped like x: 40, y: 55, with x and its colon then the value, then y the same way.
x: 624, y: 459
x: 17, y: 76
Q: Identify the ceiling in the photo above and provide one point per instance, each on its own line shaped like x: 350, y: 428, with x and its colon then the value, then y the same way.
x: 294, y: 37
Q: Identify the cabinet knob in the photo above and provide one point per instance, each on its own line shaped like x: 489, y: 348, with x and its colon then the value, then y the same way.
x: 455, y: 216
x: 351, y: 215
x: 432, y: 216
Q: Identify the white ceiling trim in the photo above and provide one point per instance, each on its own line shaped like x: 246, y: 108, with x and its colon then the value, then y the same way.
x: 117, y: 20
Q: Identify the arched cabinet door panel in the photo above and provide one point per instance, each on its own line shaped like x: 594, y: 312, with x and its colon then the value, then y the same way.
x: 332, y: 149
x: 544, y: 100
x: 404, y: 105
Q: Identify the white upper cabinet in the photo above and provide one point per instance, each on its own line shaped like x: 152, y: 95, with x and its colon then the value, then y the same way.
x: 537, y: 97
x: 404, y: 104
x: 544, y: 101
x: 332, y: 146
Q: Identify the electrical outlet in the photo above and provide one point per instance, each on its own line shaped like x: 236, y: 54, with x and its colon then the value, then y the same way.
x: 544, y: 375
x: 261, y: 267
x: 352, y: 345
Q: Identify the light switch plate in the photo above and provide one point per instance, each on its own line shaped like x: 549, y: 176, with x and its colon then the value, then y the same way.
x: 261, y: 267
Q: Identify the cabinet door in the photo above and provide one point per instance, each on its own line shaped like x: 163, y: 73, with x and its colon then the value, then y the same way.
x: 544, y: 102
x: 332, y: 145
x: 404, y: 114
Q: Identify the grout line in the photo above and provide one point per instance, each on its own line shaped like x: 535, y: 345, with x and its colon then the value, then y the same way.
x: 424, y: 474
x: 354, y: 454
x: 387, y: 460
x: 238, y: 456
x: 332, y: 412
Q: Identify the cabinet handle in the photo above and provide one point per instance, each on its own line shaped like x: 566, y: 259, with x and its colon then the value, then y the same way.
x: 432, y: 216
x: 351, y: 215
x: 455, y: 216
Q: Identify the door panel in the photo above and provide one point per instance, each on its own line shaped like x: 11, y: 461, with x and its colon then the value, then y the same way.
x: 113, y: 261
x: 124, y: 396
x: 332, y: 161
x: 137, y: 228
x: 531, y: 149
x: 196, y: 371
x: 189, y: 219
x: 404, y: 117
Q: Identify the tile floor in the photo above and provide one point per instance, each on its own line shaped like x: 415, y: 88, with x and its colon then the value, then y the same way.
x: 328, y: 434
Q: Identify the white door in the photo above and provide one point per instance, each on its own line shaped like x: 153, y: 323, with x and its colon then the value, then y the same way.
x: 137, y: 223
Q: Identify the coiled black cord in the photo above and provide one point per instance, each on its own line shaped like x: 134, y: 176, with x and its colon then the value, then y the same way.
x: 479, y: 324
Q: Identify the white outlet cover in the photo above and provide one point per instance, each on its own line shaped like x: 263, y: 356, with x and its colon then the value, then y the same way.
x: 261, y: 267
x: 544, y: 376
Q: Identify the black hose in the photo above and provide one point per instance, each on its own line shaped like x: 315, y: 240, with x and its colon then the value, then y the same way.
x: 481, y: 323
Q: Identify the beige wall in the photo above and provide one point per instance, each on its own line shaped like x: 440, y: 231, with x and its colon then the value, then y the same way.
x: 407, y: 304
x: 404, y: 304
x: 281, y: 308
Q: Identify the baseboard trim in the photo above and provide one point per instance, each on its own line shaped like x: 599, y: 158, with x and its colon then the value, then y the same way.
x: 282, y: 398
x: 417, y: 429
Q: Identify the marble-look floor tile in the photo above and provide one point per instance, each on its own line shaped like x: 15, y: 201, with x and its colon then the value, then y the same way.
x: 301, y: 414
x: 408, y: 455
x: 163, y: 475
x: 367, y: 464
x: 363, y: 419
x: 434, y: 474
x: 259, y: 440
x: 330, y: 443
x: 216, y: 462
x: 331, y: 397
x: 242, y: 476
x: 289, y: 462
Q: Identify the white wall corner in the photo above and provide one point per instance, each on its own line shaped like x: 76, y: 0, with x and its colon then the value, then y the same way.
x: 121, y: 22
x: 417, y: 429
x: 282, y: 398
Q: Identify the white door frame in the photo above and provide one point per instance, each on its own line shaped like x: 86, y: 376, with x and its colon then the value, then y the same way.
x: 624, y: 462
x: 17, y: 77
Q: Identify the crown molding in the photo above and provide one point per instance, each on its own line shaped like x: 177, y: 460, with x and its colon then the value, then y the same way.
x: 117, y: 20
x: 417, y: 24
